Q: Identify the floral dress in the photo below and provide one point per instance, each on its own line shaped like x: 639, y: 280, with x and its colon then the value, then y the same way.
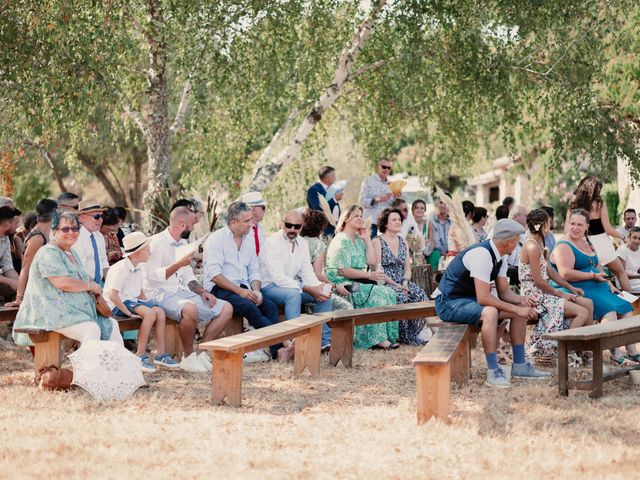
x: 316, y: 248
x: 46, y: 307
x: 394, y: 269
x: 345, y: 253
x: 550, y: 311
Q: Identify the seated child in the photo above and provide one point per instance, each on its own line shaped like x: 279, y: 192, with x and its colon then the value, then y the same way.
x: 123, y: 292
x: 629, y: 255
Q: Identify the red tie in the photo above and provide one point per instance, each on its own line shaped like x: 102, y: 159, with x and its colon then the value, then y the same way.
x: 257, y: 239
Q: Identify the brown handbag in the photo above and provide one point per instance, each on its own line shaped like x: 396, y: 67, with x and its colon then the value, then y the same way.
x: 101, y: 306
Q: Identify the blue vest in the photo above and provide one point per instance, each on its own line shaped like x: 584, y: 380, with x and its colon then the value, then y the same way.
x: 457, y: 281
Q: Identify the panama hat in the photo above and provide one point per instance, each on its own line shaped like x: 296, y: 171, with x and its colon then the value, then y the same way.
x: 133, y: 242
x: 89, y: 206
x: 253, y: 199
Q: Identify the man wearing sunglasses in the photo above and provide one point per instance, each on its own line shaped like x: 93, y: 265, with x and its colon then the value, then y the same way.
x: 288, y: 277
x: 90, y: 245
x: 375, y: 194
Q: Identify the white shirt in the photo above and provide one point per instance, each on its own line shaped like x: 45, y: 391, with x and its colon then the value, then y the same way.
x: 222, y: 256
x: 631, y: 259
x: 262, y: 238
x: 282, y: 267
x: 126, y: 279
x: 479, y: 263
x: 623, y: 230
x: 163, y: 254
x: 407, y: 225
x: 514, y: 258
x: 84, y: 249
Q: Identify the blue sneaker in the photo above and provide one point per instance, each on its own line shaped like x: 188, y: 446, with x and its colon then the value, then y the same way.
x: 166, y: 360
x: 146, y: 364
x: 497, y: 378
x: 527, y: 370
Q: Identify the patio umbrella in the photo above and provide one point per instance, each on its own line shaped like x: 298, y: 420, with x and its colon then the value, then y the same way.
x: 106, y: 370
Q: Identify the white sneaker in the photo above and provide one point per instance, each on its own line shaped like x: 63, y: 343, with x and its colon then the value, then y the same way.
x: 205, y: 360
x: 256, y: 356
x: 192, y: 364
x: 425, y: 334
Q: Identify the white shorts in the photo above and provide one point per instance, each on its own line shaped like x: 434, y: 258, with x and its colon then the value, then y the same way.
x: 173, y: 302
x: 603, y: 247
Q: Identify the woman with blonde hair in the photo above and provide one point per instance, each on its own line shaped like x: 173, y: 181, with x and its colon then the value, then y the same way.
x: 348, y: 256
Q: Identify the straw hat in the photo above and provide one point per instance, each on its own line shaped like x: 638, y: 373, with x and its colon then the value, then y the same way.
x: 89, y: 206
x: 253, y: 199
x: 133, y: 242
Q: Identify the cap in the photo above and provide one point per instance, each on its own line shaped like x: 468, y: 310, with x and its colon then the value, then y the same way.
x: 507, y: 228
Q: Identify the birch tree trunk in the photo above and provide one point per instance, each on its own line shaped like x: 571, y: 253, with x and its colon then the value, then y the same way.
x: 266, y: 172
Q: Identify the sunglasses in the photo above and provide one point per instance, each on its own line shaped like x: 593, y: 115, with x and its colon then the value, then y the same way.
x: 98, y: 216
x: 385, y: 167
x: 69, y: 229
x: 296, y: 226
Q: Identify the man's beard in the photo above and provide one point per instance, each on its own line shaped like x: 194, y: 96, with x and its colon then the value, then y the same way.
x: 185, y: 234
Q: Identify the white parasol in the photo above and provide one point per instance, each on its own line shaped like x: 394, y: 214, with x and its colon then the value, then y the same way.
x: 106, y: 370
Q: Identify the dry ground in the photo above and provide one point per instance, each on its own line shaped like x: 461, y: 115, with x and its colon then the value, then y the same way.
x: 354, y: 423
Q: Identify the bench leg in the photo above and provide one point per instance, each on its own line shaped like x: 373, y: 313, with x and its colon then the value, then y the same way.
x: 47, y: 350
x: 307, y: 353
x: 563, y: 369
x: 460, y: 362
x: 342, y: 343
x: 234, y: 327
x: 433, y: 392
x: 226, y: 378
x: 597, y: 380
x: 173, y: 342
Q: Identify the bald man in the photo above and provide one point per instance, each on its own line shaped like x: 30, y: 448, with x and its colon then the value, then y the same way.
x: 288, y: 277
x: 170, y: 281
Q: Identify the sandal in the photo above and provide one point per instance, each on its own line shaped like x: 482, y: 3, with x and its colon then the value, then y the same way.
x: 635, y: 357
x: 622, y: 360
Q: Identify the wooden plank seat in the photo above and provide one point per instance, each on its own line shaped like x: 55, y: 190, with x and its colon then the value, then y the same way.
x: 594, y: 338
x: 8, y: 314
x: 343, y: 323
x: 47, y: 344
x: 227, y: 353
x: 445, y: 357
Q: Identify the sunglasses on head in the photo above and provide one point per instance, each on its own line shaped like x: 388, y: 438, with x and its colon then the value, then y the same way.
x: 69, y: 229
x: 297, y: 226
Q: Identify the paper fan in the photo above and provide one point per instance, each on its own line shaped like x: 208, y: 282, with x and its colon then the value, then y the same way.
x: 396, y: 186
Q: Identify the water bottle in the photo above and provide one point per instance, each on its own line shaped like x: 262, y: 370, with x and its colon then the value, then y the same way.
x: 379, y: 269
x: 441, y: 264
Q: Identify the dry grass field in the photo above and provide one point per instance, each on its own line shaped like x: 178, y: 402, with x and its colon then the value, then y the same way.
x: 357, y: 423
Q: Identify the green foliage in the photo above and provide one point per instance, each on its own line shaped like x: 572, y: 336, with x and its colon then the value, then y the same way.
x: 30, y: 186
x: 612, y: 201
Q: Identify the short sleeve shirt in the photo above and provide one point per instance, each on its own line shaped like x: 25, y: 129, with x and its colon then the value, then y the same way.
x: 479, y: 263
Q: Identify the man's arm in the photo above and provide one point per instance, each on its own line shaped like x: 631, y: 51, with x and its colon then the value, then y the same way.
x: 312, y: 198
x: 483, y: 294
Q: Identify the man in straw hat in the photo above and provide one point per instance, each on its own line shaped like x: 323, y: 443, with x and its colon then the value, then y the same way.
x: 258, y: 207
x: 465, y: 297
x: 123, y: 292
x: 170, y: 281
x: 90, y: 245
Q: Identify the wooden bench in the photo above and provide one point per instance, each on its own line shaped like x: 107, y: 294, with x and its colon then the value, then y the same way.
x: 8, y: 314
x: 47, y: 344
x: 594, y: 338
x: 227, y: 353
x: 445, y: 357
x: 343, y: 323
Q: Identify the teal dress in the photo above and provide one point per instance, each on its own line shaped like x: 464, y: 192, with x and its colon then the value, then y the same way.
x: 48, y: 308
x: 598, y: 292
x: 344, y: 253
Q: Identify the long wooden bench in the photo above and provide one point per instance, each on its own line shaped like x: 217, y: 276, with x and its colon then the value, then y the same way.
x: 343, y: 323
x: 8, y: 314
x: 47, y: 344
x: 444, y: 358
x: 594, y: 338
x: 227, y: 353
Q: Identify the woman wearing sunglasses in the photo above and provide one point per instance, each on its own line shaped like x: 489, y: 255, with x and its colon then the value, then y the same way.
x: 553, y: 305
x: 577, y: 262
x: 348, y: 256
x: 59, y: 295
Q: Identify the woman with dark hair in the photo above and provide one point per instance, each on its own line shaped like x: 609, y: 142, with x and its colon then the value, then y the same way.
x: 110, y: 224
x: 553, y: 305
x: 587, y: 196
x: 425, y: 228
x: 479, y: 219
x: 392, y: 253
x: 38, y: 237
x: 314, y: 223
x: 348, y: 255
x: 577, y: 263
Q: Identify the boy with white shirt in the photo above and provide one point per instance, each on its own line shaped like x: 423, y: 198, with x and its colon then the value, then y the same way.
x: 287, y: 274
x: 629, y: 255
x: 123, y: 292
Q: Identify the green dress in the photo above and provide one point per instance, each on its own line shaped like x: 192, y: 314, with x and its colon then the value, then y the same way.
x: 318, y: 247
x: 48, y: 308
x: 344, y: 253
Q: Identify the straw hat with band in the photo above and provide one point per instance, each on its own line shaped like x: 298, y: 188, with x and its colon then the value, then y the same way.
x: 134, y: 242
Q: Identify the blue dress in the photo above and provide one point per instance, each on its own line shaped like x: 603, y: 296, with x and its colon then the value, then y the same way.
x: 598, y: 292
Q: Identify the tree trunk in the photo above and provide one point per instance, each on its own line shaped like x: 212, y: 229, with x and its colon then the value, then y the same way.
x: 118, y: 196
x: 156, y: 120
x: 136, y: 195
x: 266, y: 173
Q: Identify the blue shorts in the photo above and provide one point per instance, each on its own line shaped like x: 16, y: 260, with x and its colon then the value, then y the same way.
x: 459, y: 310
x: 131, y: 304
